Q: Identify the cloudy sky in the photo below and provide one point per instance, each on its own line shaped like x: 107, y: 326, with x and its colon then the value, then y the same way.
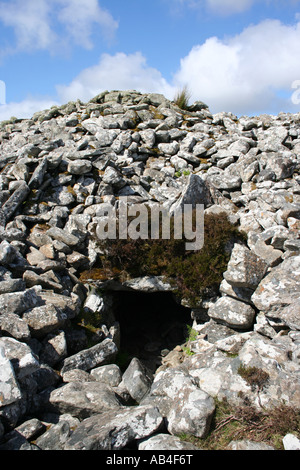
x: 241, y: 56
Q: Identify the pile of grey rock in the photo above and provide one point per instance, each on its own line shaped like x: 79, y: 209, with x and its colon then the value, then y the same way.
x: 57, y: 170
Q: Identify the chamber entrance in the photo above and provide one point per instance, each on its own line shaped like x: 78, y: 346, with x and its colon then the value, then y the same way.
x: 151, y: 324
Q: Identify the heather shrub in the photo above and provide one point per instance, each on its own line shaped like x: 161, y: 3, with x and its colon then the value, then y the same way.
x: 194, y: 274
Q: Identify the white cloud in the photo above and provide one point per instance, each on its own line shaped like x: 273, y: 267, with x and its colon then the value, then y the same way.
x: 251, y: 72
x: 245, y: 72
x: 29, y: 19
x: 117, y: 72
x: 225, y: 7
x: 36, y: 23
x: 79, y: 17
x: 26, y: 108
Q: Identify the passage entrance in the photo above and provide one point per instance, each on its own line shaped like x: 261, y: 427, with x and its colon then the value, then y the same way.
x: 151, y: 324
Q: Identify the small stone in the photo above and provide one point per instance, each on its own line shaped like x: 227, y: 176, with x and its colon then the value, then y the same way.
x: 136, y: 380
x: 79, y: 167
x: 291, y: 442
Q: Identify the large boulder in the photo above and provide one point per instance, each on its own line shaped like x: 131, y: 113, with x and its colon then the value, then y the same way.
x: 114, y: 429
x: 83, y: 399
x: 278, y: 293
x: 188, y: 409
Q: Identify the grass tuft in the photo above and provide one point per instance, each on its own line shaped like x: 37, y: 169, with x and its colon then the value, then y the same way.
x: 182, y: 98
x: 247, y: 423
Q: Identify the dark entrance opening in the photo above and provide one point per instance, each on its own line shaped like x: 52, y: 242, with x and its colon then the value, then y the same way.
x: 151, y: 324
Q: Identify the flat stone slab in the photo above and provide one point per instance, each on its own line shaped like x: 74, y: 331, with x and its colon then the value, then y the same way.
x: 114, y: 429
x: 232, y: 313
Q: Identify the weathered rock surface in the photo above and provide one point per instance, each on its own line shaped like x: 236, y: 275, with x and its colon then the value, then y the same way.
x: 82, y: 399
x: 92, y: 357
x: 61, y: 380
x: 233, y: 313
x: 113, y: 430
x: 279, y: 289
x: 165, y: 442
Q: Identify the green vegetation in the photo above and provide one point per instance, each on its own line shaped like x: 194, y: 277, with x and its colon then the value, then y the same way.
x: 194, y: 274
x: 192, y: 336
x: 247, y: 423
x: 179, y: 173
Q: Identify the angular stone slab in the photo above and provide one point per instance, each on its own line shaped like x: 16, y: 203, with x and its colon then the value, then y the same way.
x: 279, y: 289
x: 136, y: 380
x: 245, y: 269
x: 63, y: 236
x: 19, y: 302
x: 9, y: 387
x: 12, y: 204
x: 12, y: 324
x: 96, y: 356
x: 23, y: 360
x: 165, y: 442
x: 195, y: 192
x: 114, y: 429
x: 83, y: 399
x: 38, y: 174
x: 232, y: 313
x: 44, y: 319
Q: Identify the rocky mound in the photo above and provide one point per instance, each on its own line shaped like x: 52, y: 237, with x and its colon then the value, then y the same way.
x: 62, y: 385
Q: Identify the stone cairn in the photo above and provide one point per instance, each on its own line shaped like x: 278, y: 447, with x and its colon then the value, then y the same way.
x: 59, y: 392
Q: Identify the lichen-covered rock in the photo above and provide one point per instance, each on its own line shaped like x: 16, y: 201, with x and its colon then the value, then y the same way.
x: 196, y: 192
x: 90, y: 358
x: 113, y: 430
x: 19, y: 302
x: 109, y: 374
x: 165, y: 442
x: 9, y: 387
x: 187, y: 408
x: 83, y: 399
x: 136, y: 380
x: 192, y: 415
x: 22, y: 358
x: 248, y: 445
x: 245, y: 269
x: 59, y: 171
x: 44, y: 319
x: 279, y: 288
x: 232, y: 313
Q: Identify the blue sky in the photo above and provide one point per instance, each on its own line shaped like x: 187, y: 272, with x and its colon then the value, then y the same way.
x: 238, y: 56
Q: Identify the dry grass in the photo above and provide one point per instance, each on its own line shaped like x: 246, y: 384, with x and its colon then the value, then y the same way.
x: 182, y: 98
x: 248, y: 423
